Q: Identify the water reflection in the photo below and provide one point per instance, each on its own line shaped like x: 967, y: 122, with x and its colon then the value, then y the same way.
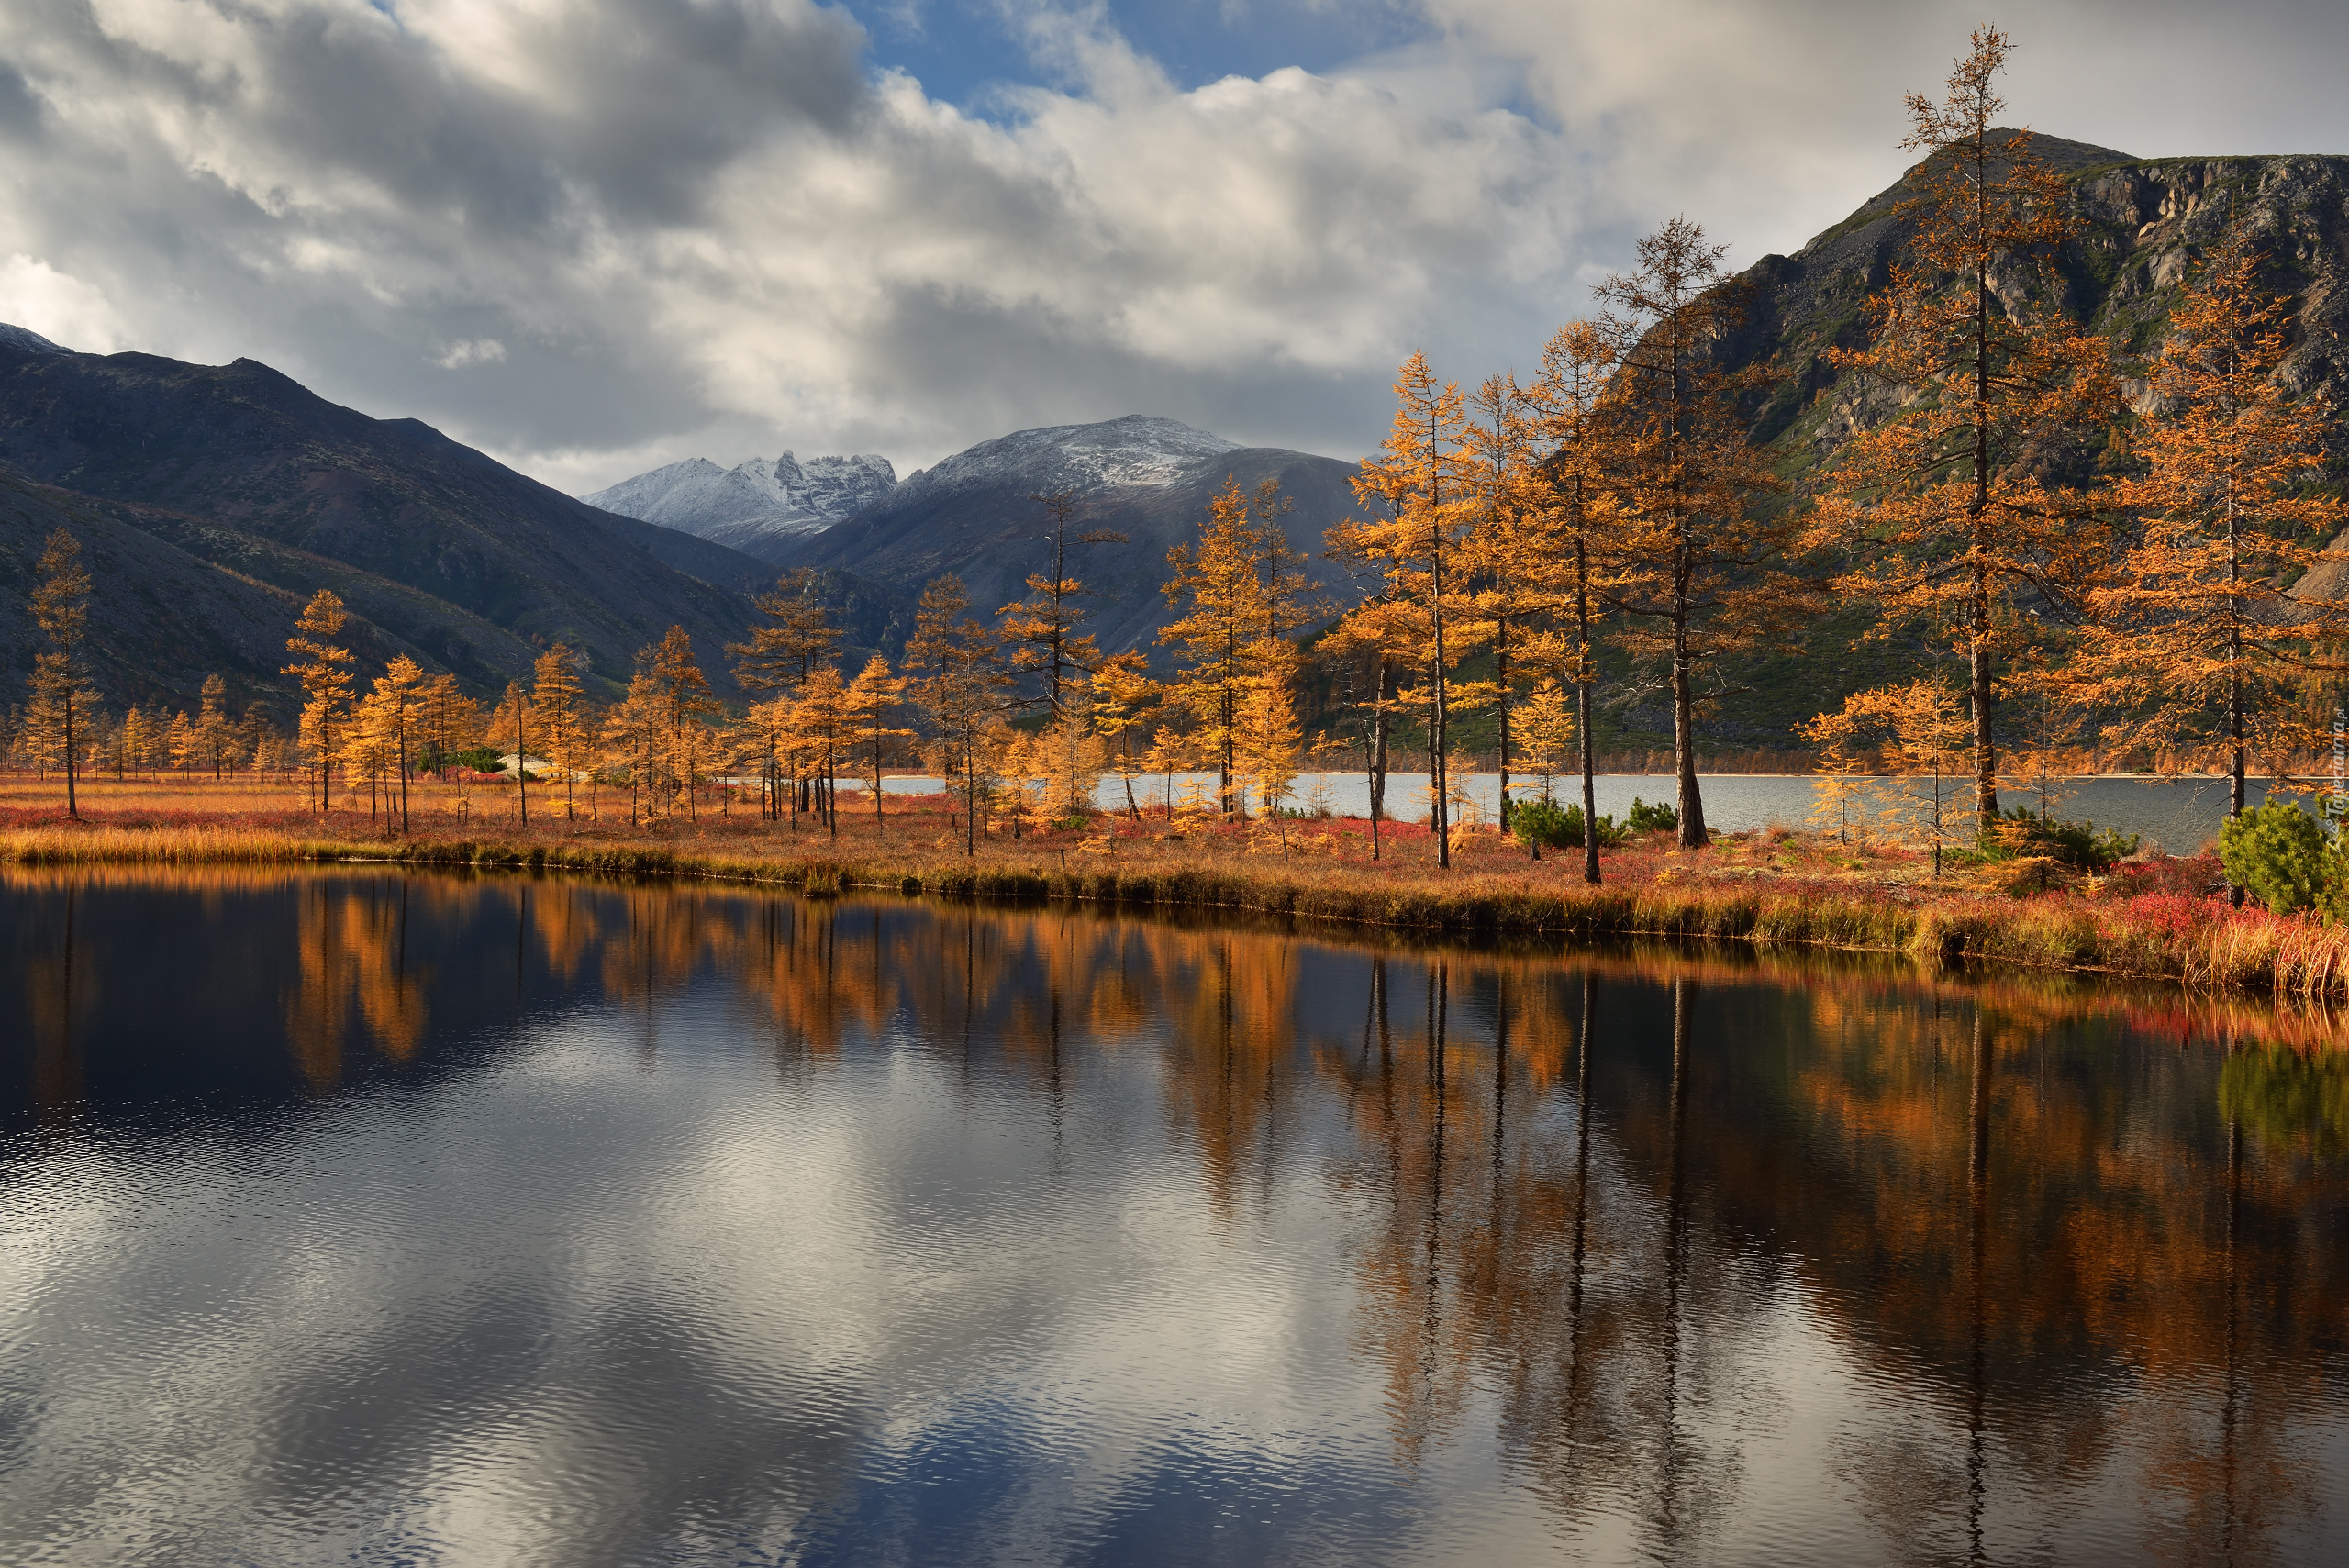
x: 540, y: 1221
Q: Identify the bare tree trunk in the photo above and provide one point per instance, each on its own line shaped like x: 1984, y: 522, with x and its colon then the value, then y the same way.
x: 1683, y: 739
x: 1378, y: 756
x: 1500, y: 678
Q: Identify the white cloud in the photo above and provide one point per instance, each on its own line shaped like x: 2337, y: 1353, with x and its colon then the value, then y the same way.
x: 707, y: 226
x: 62, y: 310
x: 471, y: 351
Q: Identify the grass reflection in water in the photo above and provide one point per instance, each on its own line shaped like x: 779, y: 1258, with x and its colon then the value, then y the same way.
x: 1055, y: 1235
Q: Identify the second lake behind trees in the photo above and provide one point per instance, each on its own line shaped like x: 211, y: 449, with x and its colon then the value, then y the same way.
x: 382, y: 1218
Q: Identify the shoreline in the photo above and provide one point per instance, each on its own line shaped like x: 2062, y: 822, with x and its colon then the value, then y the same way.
x: 2198, y: 945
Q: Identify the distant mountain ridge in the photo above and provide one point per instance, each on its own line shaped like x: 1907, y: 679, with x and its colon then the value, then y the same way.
x: 444, y: 551
x: 975, y: 515
x: 755, y: 506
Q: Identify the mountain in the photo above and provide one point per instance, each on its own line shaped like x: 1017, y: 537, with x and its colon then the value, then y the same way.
x: 759, y: 507
x: 2142, y: 223
x: 444, y: 551
x: 974, y: 514
x: 161, y: 620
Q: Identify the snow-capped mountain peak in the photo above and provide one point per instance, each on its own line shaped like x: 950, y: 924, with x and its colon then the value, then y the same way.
x: 30, y: 341
x: 1135, y: 450
x: 764, y: 501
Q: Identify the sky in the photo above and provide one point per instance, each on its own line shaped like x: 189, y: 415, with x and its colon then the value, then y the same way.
x: 591, y: 237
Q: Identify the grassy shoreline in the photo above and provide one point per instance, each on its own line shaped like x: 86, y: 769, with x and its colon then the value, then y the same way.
x: 2200, y: 943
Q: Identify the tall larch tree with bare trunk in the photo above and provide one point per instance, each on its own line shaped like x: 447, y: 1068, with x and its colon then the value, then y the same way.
x: 1421, y: 491
x: 2200, y: 639
x: 57, y: 721
x: 1965, y: 516
x: 1700, y: 562
x: 323, y: 667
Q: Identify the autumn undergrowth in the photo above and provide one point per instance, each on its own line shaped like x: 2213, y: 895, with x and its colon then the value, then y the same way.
x: 2153, y: 919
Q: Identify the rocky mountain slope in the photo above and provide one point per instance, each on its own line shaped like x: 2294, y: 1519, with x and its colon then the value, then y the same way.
x: 759, y: 507
x: 161, y: 618
x: 2142, y: 222
x: 974, y: 514
x: 453, y: 554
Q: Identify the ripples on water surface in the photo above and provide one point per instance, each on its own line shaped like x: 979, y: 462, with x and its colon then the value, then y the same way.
x: 415, y: 1220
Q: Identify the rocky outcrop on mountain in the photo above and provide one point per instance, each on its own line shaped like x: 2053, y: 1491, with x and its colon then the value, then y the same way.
x: 975, y: 515
x: 759, y: 507
x: 217, y: 453
x: 2143, y: 223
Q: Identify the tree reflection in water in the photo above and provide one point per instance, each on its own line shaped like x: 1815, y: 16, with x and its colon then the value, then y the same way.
x: 2053, y: 1241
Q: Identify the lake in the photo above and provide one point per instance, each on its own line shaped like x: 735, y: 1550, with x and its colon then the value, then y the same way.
x: 378, y: 1219
x: 2179, y: 815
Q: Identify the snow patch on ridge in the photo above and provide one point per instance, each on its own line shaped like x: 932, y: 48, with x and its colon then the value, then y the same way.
x: 763, y: 498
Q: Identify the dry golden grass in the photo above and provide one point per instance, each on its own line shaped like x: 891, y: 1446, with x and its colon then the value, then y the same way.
x: 1769, y: 888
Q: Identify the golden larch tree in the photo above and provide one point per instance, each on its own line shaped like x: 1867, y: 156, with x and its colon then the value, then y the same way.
x: 1700, y: 562
x: 555, y: 701
x: 1421, y: 491
x: 393, y: 704
x: 323, y: 667
x: 784, y: 648
x: 2197, y: 639
x: 57, y: 718
x: 964, y: 686
x: 1957, y: 512
x: 513, y: 724
x: 1233, y: 588
x: 1564, y: 410
x: 687, y: 703
x: 869, y: 701
x: 215, y: 737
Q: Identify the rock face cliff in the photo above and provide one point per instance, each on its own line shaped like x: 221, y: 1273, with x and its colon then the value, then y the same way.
x: 2144, y: 224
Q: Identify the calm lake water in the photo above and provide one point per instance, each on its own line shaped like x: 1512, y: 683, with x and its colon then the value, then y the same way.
x: 2177, y: 815
x: 411, y: 1219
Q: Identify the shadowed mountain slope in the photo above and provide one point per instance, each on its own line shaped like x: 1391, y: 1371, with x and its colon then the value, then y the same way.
x: 242, y: 448
x: 161, y: 618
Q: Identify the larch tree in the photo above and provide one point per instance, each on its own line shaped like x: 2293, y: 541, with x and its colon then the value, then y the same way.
x: 1700, y: 571
x: 396, y: 701
x: 1955, y: 513
x: 632, y: 737
x: 513, y: 724
x: 823, y: 720
x: 323, y: 667
x: 1424, y: 481
x: 1123, y: 698
x: 2197, y: 639
x: 1041, y: 628
x: 1564, y: 412
x: 555, y: 702
x: 686, y: 701
x: 1270, y: 741
x: 1512, y: 604
x: 1233, y: 591
x: 180, y: 742
x: 215, y: 737
x: 870, y: 698
x: 59, y: 712
x: 796, y: 636
x: 962, y: 684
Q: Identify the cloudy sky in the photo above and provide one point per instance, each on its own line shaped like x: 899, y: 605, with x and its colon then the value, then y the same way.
x: 593, y: 236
